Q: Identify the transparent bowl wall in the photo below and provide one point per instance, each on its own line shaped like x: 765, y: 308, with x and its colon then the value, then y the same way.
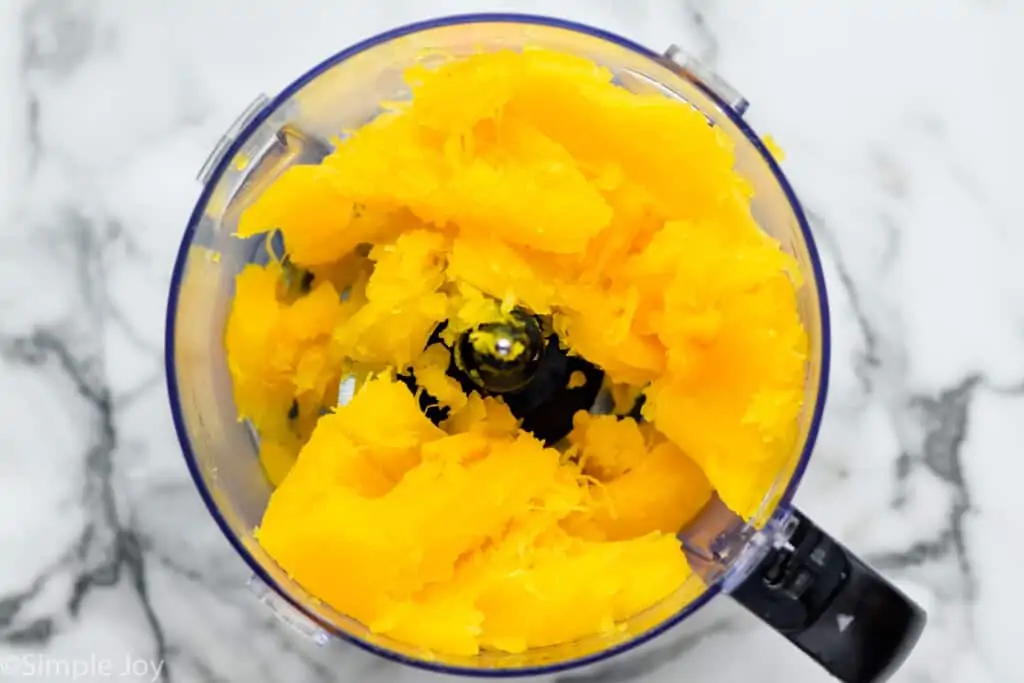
x: 342, y: 93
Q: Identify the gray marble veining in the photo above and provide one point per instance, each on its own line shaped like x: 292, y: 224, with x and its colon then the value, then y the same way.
x: 899, y: 122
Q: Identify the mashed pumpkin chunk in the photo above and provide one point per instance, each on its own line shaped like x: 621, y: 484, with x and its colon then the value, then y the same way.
x: 281, y: 360
x: 509, y: 182
x: 661, y: 493
x: 403, y: 303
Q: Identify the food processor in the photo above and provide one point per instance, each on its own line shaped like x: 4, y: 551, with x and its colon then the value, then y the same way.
x: 777, y: 563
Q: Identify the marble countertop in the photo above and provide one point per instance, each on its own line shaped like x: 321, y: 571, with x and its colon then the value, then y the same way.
x: 900, y: 123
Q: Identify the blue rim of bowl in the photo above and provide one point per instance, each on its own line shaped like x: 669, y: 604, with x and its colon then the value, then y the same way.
x: 182, y: 257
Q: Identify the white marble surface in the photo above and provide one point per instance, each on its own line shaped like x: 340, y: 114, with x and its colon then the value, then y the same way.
x: 901, y: 124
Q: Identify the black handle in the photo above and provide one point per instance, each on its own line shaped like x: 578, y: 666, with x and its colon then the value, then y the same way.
x: 831, y: 605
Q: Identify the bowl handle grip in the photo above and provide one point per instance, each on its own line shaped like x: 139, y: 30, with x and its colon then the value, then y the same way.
x: 832, y: 605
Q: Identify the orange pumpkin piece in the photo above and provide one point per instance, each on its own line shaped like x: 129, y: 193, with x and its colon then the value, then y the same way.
x: 513, y: 179
x: 402, y: 304
x: 279, y: 355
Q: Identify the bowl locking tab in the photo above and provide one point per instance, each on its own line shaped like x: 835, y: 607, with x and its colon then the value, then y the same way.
x: 691, y: 68
x: 230, y: 135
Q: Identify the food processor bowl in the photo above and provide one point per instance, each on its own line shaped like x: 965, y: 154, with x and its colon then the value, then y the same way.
x: 777, y: 563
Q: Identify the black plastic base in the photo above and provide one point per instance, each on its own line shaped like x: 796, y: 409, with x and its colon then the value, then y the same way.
x: 833, y: 606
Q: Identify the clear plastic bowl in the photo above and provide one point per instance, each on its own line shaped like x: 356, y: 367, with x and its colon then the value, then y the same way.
x: 342, y: 93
